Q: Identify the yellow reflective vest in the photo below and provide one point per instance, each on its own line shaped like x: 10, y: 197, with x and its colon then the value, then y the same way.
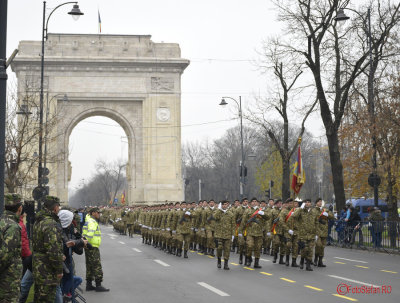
x: 91, y: 231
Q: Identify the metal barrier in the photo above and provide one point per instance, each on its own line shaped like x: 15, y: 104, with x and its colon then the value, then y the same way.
x: 374, y: 235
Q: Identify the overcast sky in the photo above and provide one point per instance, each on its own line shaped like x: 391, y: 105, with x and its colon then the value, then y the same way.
x: 219, y: 37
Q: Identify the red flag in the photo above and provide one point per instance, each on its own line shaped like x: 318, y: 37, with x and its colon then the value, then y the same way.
x: 123, y: 198
x: 299, y: 176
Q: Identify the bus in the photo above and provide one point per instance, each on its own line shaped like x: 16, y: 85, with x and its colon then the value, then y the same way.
x: 363, y: 205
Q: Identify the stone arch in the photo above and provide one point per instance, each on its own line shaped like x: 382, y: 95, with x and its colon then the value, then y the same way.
x: 122, y: 121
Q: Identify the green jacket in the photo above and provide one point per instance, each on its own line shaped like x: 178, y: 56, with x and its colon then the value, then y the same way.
x: 184, y: 224
x: 307, y: 223
x: 252, y: 225
x: 225, y: 224
x: 47, y: 248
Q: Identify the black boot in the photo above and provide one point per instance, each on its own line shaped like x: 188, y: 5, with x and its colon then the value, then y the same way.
x: 308, y: 265
x: 212, y: 252
x: 219, y: 262
x: 301, y: 263
x: 294, y: 264
x: 287, y: 260
x: 173, y: 250
x: 247, y: 261
x: 275, y: 257
x: 265, y: 251
x: 315, y: 260
x: 256, y: 263
x: 142, y: 240
x: 185, y: 254
x: 89, y: 286
x: 100, y: 288
x: 241, y: 259
x: 232, y: 248
x: 320, y: 264
x: 206, y: 251
x: 281, y: 259
x: 179, y: 253
x: 226, y: 267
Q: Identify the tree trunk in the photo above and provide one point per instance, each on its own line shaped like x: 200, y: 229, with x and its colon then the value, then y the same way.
x: 285, y: 178
x: 337, y: 170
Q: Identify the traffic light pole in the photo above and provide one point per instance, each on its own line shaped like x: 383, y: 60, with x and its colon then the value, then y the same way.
x: 3, y: 95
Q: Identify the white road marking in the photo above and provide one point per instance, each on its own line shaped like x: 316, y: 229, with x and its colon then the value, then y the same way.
x: 162, y: 263
x: 354, y: 281
x: 137, y: 250
x: 213, y: 289
x: 121, y: 242
x: 265, y: 260
x: 351, y: 260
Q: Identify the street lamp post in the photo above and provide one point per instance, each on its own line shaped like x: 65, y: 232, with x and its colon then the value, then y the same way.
x: 373, y: 179
x: 75, y: 12
x: 242, y: 166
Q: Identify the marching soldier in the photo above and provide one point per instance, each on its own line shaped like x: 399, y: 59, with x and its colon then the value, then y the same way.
x: 252, y: 223
x: 183, y: 230
x: 224, y: 232
x: 210, y: 228
x: 293, y: 224
x: 308, y: 229
x: 267, y: 231
x: 241, y: 237
x: 285, y: 232
x: 322, y: 231
x: 276, y: 243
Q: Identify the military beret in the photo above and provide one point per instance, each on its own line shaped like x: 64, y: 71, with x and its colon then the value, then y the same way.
x: 50, y: 201
x: 12, y: 199
x: 94, y: 210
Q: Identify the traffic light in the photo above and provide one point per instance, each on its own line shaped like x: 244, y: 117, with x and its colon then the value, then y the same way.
x: 244, y: 169
x: 268, y: 193
x: 271, y: 184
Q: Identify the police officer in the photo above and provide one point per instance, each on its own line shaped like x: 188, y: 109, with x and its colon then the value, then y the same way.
x: 91, y: 231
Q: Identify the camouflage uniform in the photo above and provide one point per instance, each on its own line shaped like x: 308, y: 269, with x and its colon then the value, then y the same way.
x: 210, y: 229
x: 252, y: 224
x: 47, y: 255
x: 10, y: 253
x: 183, y: 230
x: 322, y: 233
x: 241, y: 239
x: 224, y: 230
x: 308, y: 230
x: 276, y: 243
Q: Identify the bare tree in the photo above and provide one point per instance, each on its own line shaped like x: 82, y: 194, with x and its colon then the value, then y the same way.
x: 286, y: 70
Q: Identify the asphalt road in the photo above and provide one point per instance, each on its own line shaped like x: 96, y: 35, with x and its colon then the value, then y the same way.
x: 137, y: 272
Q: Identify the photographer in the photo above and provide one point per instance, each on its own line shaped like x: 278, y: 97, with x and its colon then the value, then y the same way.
x: 72, y: 242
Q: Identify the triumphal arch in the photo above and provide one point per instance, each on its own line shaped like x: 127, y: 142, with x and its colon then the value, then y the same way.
x: 128, y: 78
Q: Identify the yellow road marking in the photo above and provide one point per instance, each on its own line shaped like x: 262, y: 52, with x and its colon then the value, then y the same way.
x: 248, y: 268
x: 235, y: 264
x: 200, y: 254
x: 287, y: 280
x: 312, y: 287
x: 340, y: 263
x: 192, y: 251
x: 344, y: 297
x: 361, y: 266
x: 392, y: 272
x: 210, y: 257
x: 265, y: 273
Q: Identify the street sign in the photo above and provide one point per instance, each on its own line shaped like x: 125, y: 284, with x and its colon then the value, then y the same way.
x: 116, y: 200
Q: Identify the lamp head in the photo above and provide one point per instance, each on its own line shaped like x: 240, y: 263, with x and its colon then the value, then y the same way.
x: 223, y: 102
x: 341, y: 16
x: 75, y: 12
